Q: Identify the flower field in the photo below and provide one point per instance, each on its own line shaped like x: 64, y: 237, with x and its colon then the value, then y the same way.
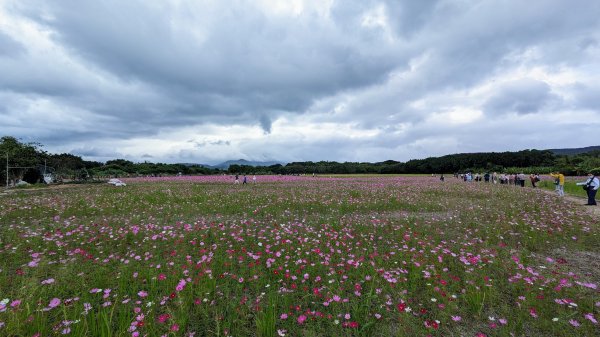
x: 297, y: 256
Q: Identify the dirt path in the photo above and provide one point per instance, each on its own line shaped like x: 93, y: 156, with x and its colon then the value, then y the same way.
x: 578, y: 201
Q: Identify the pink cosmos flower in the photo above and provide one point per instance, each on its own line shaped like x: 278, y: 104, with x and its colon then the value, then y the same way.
x: 142, y: 293
x: 180, y: 285
x: 54, y: 303
x: 533, y: 313
x: 16, y: 303
x: 590, y: 316
x: 574, y: 323
x: 48, y: 281
x: 587, y: 284
x: 163, y: 318
x: 301, y: 319
x: 283, y: 316
x: 456, y: 318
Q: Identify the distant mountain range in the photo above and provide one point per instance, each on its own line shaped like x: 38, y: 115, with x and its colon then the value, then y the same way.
x: 225, y: 165
x: 574, y: 151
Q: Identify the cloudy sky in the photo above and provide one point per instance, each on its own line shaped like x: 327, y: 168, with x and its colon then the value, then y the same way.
x: 294, y: 80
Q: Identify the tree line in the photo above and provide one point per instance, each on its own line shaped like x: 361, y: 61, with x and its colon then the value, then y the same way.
x: 28, y: 161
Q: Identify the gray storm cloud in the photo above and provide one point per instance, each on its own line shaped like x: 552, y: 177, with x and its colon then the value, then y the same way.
x: 354, y: 80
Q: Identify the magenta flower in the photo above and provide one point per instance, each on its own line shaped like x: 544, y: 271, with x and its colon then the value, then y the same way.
x: 301, y: 319
x: 574, y: 323
x: 533, y: 312
x: 142, y: 293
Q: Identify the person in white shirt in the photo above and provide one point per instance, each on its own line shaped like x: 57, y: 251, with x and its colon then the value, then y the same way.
x: 591, y: 187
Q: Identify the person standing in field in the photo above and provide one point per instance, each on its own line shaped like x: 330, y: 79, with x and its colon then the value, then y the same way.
x: 591, y: 187
x: 559, y: 181
x: 534, y: 179
x: 237, y: 179
x: 245, y: 180
x: 254, y: 179
x: 522, y: 179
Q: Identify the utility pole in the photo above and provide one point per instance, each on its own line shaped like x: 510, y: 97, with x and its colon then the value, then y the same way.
x: 6, y: 169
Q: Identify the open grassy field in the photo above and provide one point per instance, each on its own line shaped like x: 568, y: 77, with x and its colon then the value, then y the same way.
x: 297, y: 256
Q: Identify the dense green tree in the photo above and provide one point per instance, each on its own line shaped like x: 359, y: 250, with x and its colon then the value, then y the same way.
x: 21, y: 158
x: 29, y: 156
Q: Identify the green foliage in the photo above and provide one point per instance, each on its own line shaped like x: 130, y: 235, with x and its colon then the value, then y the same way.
x: 21, y: 156
x: 122, y: 167
x: 527, y: 161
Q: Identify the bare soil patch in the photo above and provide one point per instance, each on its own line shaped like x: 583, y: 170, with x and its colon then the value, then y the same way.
x: 578, y: 201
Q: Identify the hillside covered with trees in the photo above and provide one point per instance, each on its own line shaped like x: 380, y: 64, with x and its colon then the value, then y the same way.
x: 28, y: 161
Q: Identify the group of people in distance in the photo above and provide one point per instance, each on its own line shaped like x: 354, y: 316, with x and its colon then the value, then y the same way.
x: 503, y: 179
x: 245, y: 179
x: 590, y: 185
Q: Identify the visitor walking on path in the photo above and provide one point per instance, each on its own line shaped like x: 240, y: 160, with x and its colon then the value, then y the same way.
x: 591, y: 187
x: 559, y: 181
